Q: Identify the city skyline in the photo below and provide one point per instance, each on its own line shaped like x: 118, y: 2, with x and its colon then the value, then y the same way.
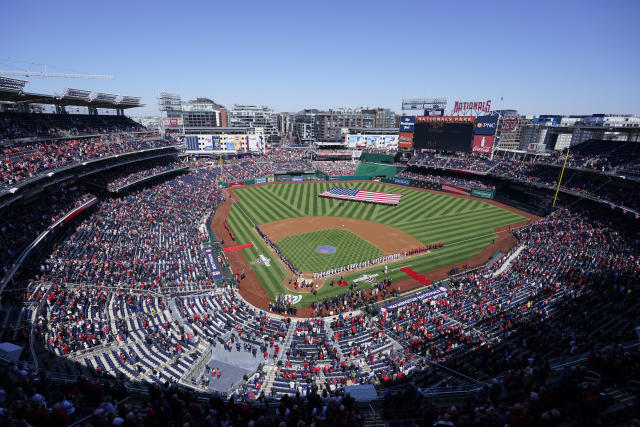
x: 555, y: 58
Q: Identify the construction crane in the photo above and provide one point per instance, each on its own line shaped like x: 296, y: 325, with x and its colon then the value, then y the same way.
x: 26, y: 73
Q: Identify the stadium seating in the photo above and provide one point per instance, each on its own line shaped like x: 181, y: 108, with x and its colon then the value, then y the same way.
x: 127, y: 297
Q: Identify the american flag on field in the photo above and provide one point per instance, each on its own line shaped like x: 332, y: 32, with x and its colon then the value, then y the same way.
x: 362, y: 195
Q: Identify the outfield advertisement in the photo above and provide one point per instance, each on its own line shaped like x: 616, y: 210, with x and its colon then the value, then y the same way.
x: 482, y: 193
x: 236, y: 184
x: 401, y: 181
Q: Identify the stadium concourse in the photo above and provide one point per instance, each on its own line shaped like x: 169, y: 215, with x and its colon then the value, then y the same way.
x: 133, y: 309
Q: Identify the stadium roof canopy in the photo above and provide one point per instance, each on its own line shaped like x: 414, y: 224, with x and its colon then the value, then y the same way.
x: 11, y: 92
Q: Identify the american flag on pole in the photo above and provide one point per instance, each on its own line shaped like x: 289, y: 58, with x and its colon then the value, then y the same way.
x: 362, y: 195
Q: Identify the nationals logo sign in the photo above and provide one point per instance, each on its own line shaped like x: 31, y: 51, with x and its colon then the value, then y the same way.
x: 509, y: 124
x: 476, y: 108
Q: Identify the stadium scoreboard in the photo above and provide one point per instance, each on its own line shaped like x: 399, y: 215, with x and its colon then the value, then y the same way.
x: 448, y: 133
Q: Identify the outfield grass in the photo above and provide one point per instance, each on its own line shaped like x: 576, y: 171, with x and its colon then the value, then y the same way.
x: 300, y: 249
x: 464, y: 225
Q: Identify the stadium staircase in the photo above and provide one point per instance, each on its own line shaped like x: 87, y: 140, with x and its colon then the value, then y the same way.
x: 506, y: 265
x: 331, y: 334
x: 286, y: 343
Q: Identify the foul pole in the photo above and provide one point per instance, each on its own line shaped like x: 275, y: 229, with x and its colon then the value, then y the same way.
x: 560, y: 180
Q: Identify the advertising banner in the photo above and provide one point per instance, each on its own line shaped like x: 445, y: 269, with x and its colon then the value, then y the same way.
x: 249, y: 181
x: 405, y: 140
x: 270, y: 179
x: 261, y: 180
x: 420, y: 296
x: 215, y: 140
x: 230, y: 146
x: 407, y: 120
x: 208, y: 143
x: 296, y: 179
x: 255, y: 143
x: 486, y: 125
x: 482, y: 193
x: 213, y: 264
x: 401, y: 181
x: 166, y: 121
x: 482, y: 144
x: 283, y: 178
x: 445, y: 119
x: 191, y: 141
x: 406, y: 128
x: 357, y: 141
x: 391, y: 141
x: 236, y: 184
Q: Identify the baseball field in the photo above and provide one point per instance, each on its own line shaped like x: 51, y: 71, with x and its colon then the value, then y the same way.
x: 316, y: 234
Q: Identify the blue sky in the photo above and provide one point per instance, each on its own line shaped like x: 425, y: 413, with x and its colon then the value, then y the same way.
x: 566, y: 57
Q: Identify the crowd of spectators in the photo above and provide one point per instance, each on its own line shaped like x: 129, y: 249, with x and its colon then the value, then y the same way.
x: 450, y: 180
x: 146, y: 239
x: 336, y: 167
x: 21, y: 224
x: 537, y: 172
x: 125, y: 175
x: 40, y: 126
x: 27, y: 160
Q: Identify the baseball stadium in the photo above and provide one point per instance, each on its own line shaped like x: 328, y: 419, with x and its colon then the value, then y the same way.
x: 206, y: 268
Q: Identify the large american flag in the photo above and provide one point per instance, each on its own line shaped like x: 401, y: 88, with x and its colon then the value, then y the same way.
x: 362, y: 195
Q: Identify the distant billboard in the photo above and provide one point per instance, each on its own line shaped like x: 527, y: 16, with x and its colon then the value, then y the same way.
x: 486, y: 125
x: 207, y: 143
x: 172, y: 122
x: 405, y: 140
x: 357, y: 141
x: 371, y: 141
x: 391, y: 141
x: 482, y: 144
x: 407, y: 123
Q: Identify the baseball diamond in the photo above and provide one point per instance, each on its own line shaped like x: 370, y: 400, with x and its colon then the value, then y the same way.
x: 465, y: 226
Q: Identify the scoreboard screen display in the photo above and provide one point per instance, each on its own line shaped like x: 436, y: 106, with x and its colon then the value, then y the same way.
x: 443, y: 136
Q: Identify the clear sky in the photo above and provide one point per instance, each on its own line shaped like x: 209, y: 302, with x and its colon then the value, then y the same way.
x: 543, y: 57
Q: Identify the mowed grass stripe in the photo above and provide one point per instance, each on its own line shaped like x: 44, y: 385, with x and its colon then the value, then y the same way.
x: 442, y: 220
x: 271, y: 276
x: 264, y: 202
